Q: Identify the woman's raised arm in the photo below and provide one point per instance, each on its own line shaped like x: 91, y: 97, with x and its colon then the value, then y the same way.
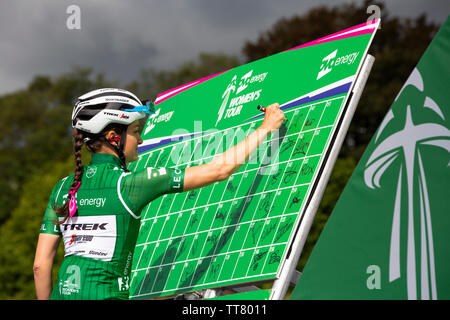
x: 225, y: 164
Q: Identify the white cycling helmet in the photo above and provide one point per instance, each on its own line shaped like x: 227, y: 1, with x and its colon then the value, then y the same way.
x: 98, y: 108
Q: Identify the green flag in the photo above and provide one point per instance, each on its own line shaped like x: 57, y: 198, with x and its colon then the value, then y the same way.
x: 389, y: 234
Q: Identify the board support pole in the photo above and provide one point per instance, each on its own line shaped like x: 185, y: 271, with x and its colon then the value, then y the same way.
x: 281, y: 284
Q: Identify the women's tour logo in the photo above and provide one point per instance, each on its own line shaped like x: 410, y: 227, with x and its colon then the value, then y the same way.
x: 405, y: 145
x: 234, y: 108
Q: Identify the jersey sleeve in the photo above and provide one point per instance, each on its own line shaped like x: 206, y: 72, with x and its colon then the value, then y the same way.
x: 48, y: 222
x: 140, y: 188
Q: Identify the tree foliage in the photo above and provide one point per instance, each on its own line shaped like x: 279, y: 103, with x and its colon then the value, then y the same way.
x: 35, y: 129
x: 397, y: 47
x: 151, y: 82
x: 36, y: 152
x: 18, y: 236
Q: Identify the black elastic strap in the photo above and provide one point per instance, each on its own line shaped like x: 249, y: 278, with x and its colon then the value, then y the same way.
x: 118, y: 150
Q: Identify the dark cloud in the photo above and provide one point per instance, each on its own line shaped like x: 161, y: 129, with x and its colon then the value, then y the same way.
x: 121, y: 37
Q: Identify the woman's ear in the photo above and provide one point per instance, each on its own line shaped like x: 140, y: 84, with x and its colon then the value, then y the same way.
x: 110, y: 134
x: 113, y: 137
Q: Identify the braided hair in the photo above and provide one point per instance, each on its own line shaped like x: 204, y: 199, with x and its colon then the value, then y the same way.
x: 77, y: 145
x: 93, y: 144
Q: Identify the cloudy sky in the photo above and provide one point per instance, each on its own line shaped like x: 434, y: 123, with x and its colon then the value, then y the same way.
x: 120, y: 38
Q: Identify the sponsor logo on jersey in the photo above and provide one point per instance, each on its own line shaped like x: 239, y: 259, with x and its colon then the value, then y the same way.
x: 91, y: 171
x: 72, y: 284
x: 177, y: 179
x: 84, y: 226
x: 95, y: 202
x: 44, y: 227
x: 80, y: 239
x: 153, y: 172
x: 90, y: 236
x: 97, y: 253
x: 124, y: 283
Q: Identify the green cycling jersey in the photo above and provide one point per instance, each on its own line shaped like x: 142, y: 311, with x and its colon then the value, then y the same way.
x: 99, y: 241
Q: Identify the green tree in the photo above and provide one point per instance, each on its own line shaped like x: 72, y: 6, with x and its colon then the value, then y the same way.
x: 151, y: 82
x: 37, y: 145
x: 35, y: 122
x: 397, y: 47
x: 35, y: 128
x: 18, y: 235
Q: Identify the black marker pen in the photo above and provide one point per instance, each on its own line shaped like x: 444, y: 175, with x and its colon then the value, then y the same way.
x: 261, y: 108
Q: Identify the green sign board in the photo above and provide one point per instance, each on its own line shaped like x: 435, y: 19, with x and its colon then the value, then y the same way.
x: 239, y: 230
x: 388, y: 236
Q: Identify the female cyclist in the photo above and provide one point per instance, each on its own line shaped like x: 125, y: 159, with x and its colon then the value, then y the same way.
x: 96, y: 209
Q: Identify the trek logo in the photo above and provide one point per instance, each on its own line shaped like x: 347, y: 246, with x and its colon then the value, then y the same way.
x: 90, y: 236
x: 84, y: 226
x: 117, y: 115
x: 110, y: 114
x: 157, y: 118
x: 331, y: 61
x: 235, y: 106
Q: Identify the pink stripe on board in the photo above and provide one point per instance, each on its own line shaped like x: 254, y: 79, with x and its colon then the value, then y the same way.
x: 346, y: 33
x: 166, y: 95
x: 170, y: 93
x: 176, y: 88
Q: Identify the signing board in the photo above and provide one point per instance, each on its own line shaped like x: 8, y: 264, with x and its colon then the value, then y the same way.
x: 239, y: 230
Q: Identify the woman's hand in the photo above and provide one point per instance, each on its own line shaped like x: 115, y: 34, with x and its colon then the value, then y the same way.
x: 274, y: 117
x: 225, y: 164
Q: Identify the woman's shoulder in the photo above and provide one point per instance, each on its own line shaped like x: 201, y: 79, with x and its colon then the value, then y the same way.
x: 61, y: 182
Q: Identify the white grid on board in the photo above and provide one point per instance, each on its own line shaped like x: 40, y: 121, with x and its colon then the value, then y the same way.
x: 221, y: 201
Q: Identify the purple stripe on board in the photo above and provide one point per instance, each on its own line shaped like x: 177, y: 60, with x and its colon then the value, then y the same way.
x: 167, y: 141
x: 326, y: 94
x: 329, y: 93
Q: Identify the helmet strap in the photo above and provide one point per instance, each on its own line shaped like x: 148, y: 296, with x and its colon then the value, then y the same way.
x: 121, y: 148
x: 118, y: 147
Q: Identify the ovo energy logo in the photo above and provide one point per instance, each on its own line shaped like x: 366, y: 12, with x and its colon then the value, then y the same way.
x: 327, y: 63
x: 156, y: 118
x: 331, y: 61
